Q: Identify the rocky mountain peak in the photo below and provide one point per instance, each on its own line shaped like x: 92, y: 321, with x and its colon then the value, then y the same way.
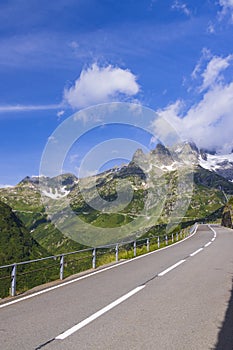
x: 161, y: 155
x: 192, y: 145
x: 66, y: 179
x: 30, y: 179
x: 138, y: 156
x: 161, y: 149
x: 203, y: 154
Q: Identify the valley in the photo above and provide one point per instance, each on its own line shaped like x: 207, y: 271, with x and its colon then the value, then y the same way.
x: 162, y: 192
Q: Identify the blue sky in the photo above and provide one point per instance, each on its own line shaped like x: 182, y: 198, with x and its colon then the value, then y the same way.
x: 57, y: 57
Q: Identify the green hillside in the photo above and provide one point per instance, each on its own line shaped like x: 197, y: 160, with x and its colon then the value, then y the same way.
x: 16, y: 245
x: 16, y: 242
x: 25, y: 199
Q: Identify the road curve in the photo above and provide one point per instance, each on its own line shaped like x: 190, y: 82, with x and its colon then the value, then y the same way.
x: 176, y: 298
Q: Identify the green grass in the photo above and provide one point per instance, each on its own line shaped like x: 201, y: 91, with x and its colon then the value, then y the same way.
x: 37, y: 273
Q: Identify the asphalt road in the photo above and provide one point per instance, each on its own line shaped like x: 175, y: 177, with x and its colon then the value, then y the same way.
x: 177, y: 298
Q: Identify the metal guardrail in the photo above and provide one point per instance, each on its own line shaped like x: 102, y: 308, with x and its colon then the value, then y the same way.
x: 193, y: 228
x: 157, y: 240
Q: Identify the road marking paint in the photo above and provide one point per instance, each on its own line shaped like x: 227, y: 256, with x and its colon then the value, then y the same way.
x: 171, y: 268
x: 196, y: 252
x: 213, y: 239
x: 207, y: 244
x: 215, y: 233
x: 93, y: 273
x: 99, y: 313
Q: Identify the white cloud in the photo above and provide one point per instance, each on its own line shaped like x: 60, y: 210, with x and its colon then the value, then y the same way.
x: 180, y: 6
x: 209, y: 122
x: 196, y: 70
x: 211, y: 28
x: 52, y: 139
x: 27, y: 108
x: 101, y: 84
x: 211, y: 75
x: 73, y: 158
x: 205, y: 55
x: 227, y: 9
x: 209, y: 69
x: 5, y: 186
x: 60, y: 113
x: 74, y: 44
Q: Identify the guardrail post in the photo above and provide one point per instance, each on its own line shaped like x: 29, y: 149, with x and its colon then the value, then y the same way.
x: 158, y: 242
x: 166, y: 241
x: 172, y: 237
x: 117, y: 252
x: 135, y: 248
x: 177, y: 237
x: 94, y: 258
x: 61, y: 267
x: 148, y: 244
x: 13, y: 280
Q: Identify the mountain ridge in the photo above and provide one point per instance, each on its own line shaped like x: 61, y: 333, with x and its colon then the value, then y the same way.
x: 163, y: 156
x: 168, y: 183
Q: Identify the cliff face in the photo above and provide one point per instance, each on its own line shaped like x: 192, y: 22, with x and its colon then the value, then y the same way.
x: 227, y: 218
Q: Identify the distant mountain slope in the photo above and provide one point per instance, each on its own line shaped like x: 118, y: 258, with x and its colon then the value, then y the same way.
x: 221, y: 164
x: 211, y: 179
x: 25, y: 199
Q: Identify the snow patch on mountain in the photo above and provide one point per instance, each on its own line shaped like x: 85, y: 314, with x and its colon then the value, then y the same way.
x: 217, y: 161
x: 54, y: 194
x: 171, y: 167
x: 222, y: 164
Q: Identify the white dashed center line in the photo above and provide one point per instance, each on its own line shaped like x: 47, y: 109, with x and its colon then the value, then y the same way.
x: 99, y: 313
x: 171, y: 268
x: 196, y: 252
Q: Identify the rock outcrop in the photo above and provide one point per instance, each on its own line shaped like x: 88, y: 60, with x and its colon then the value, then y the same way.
x: 227, y: 217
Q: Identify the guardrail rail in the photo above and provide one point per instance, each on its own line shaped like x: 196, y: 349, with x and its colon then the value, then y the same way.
x: 87, y: 258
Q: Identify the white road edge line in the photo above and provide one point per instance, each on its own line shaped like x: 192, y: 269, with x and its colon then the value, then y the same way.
x: 171, y: 268
x: 93, y: 273
x: 207, y: 244
x: 99, y: 313
x: 215, y: 233
x: 196, y: 252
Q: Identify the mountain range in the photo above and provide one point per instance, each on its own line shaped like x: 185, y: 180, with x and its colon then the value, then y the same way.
x: 169, y: 187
